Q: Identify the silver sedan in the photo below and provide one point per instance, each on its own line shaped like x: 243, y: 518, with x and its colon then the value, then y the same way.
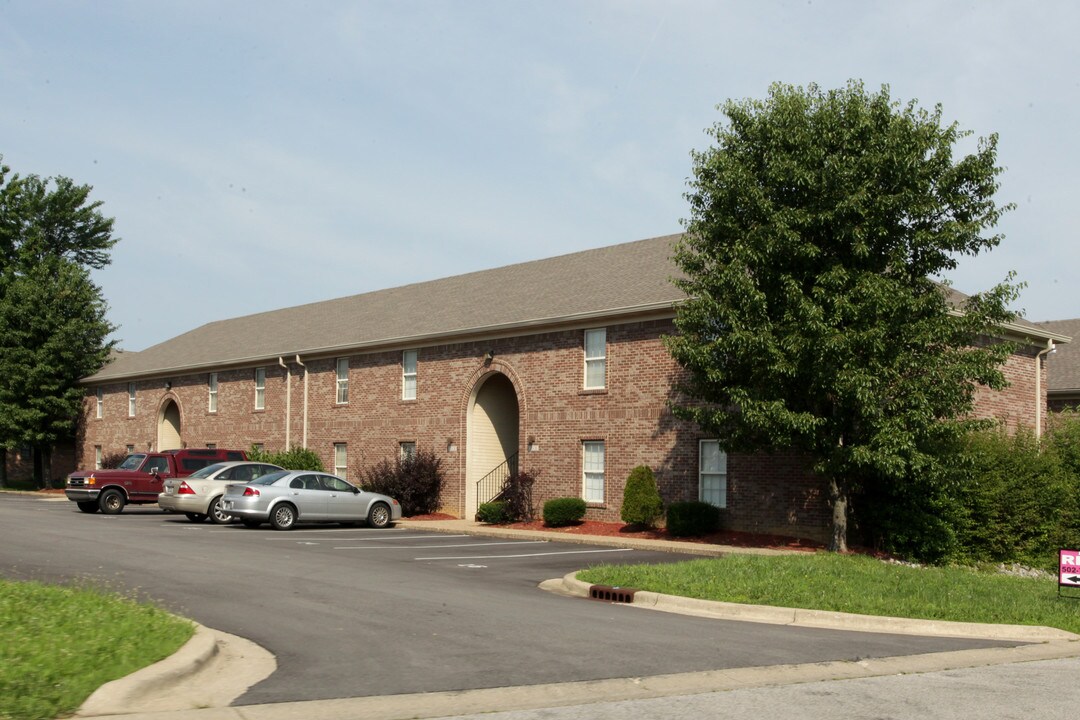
x: 288, y: 497
x: 199, y: 495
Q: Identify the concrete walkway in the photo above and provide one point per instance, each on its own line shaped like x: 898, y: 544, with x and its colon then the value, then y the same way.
x: 213, y: 669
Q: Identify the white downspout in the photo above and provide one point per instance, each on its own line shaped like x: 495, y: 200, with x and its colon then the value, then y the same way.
x: 305, y: 398
x: 1039, y: 405
x: 288, y: 400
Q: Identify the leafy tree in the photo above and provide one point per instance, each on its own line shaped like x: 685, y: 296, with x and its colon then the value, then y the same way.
x: 52, y: 314
x: 817, y: 224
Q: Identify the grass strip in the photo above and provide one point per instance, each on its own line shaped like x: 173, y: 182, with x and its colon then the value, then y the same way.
x: 58, y: 645
x: 854, y: 584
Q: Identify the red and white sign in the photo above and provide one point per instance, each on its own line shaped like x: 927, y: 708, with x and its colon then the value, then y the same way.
x: 1069, y: 568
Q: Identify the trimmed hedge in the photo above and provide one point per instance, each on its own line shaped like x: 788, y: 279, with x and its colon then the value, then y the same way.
x: 641, y: 500
x: 692, y: 518
x: 564, y: 511
x: 493, y: 513
x: 297, y: 458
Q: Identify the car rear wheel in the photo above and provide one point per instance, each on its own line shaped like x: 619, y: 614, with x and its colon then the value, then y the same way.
x: 283, y: 517
x: 379, y: 516
x: 217, y: 514
x: 196, y: 517
x: 112, y: 502
x: 88, y: 506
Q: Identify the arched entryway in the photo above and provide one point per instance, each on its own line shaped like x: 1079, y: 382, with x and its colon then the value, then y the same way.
x: 492, y: 443
x: 169, y: 427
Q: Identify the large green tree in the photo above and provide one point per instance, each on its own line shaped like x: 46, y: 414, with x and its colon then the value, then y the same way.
x: 818, y: 223
x: 53, y: 326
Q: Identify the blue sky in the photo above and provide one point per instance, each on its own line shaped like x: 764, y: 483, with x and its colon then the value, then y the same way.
x: 258, y: 155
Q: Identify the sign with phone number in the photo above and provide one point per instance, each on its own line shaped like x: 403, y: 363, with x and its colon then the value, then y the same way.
x: 1069, y: 568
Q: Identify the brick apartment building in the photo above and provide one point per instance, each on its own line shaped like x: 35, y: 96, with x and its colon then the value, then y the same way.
x: 557, y: 365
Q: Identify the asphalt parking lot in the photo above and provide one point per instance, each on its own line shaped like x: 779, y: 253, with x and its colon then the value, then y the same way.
x: 353, y: 612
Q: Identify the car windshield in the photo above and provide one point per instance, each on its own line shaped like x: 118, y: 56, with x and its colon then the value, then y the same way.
x: 131, y: 462
x: 207, y: 471
x: 270, y: 479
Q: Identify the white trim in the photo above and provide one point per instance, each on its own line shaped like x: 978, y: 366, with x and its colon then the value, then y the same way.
x: 718, y: 474
x: 341, y: 384
x: 593, y: 485
x: 595, y: 361
x: 408, y: 379
x: 260, y: 388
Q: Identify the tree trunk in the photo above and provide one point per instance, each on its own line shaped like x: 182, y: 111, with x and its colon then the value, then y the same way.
x: 3, y: 467
x: 39, y: 476
x: 838, y: 497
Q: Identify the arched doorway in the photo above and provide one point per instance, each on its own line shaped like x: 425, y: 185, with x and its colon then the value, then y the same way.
x: 492, y: 442
x: 169, y: 427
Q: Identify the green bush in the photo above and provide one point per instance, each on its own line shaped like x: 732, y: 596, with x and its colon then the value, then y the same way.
x: 641, y: 500
x: 110, y: 461
x: 493, y: 513
x: 298, y: 458
x: 517, y: 494
x: 1020, y: 501
x: 564, y: 511
x: 692, y: 518
x: 415, y: 481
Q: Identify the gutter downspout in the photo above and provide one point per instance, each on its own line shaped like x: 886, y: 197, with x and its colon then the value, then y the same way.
x: 288, y: 400
x: 305, y: 397
x: 1039, y: 405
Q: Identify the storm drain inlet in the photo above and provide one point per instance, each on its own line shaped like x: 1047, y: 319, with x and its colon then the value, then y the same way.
x: 607, y: 593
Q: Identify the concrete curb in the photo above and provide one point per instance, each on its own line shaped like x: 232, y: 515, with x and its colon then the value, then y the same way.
x: 824, y: 618
x: 210, y: 670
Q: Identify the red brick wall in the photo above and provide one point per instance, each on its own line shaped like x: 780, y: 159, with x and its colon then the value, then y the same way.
x: 766, y: 493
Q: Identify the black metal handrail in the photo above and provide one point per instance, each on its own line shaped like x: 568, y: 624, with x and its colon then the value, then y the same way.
x: 490, y: 487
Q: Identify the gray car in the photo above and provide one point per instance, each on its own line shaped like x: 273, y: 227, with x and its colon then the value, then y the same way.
x: 288, y: 497
x: 199, y: 495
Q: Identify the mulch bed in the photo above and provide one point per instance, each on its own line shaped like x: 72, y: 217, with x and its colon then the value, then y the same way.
x: 592, y: 527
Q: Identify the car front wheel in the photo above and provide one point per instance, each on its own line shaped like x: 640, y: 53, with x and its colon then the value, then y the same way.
x: 379, y: 516
x: 283, y: 517
x: 112, y: 502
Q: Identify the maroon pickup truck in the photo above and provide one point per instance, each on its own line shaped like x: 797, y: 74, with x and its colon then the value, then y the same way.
x: 139, y: 479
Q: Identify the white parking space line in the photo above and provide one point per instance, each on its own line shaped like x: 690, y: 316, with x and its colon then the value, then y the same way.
x: 425, y: 547
x: 501, y: 557
x: 286, y: 536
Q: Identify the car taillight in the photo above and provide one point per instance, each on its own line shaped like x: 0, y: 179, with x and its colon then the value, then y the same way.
x: 251, y: 492
x: 184, y: 489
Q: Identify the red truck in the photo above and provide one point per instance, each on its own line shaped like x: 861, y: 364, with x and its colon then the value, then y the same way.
x: 139, y: 479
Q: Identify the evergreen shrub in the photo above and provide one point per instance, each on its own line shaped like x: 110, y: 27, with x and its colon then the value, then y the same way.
x: 493, y: 513
x: 641, y: 499
x: 563, y: 511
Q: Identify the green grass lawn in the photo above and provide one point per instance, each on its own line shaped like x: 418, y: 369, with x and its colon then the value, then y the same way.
x: 854, y: 584
x: 58, y: 645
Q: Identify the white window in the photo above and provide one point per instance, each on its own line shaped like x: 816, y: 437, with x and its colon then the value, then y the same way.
x: 260, y: 388
x: 407, y: 450
x: 130, y: 449
x: 211, y: 446
x: 257, y: 447
x: 712, y: 473
x: 342, y: 380
x: 100, y: 409
x: 211, y: 401
x: 97, y: 457
x: 593, y: 468
x: 595, y: 359
x: 341, y: 464
x: 131, y: 399
x: 408, y: 375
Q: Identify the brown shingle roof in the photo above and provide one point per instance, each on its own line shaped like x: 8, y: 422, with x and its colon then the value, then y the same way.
x: 619, y: 280
x: 1063, y: 365
x: 608, y: 281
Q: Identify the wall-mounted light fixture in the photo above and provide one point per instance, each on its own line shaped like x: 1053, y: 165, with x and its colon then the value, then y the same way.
x: 168, y: 384
x: 532, y: 445
x: 451, y: 446
x: 489, y: 356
